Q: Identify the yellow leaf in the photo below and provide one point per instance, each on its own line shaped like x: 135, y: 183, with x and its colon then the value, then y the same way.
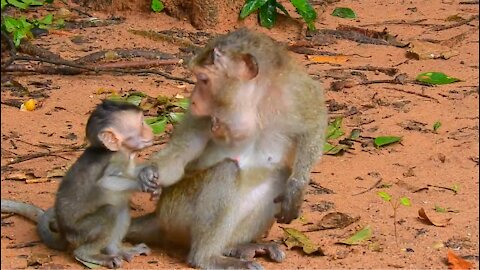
x: 333, y: 59
x: 105, y: 91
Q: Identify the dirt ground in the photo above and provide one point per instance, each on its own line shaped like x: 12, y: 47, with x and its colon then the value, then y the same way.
x: 426, y: 162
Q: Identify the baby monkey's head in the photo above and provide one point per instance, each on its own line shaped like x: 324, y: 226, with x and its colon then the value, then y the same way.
x: 118, y: 126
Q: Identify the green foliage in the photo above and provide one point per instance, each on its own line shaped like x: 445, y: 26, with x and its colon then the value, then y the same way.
x: 385, y: 196
x: 20, y: 28
x: 267, y: 11
x: 334, y: 129
x: 360, y: 236
x: 436, y: 78
x: 343, y: 12
x: 386, y: 140
x: 405, y: 201
x: 394, y: 204
x: 436, y: 126
x: 157, y: 5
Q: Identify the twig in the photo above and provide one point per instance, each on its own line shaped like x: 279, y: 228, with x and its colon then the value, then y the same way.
x: 370, y: 188
x: 445, y: 27
x: 387, y: 71
x: 474, y: 2
x: 139, y: 64
x: 26, y: 244
x: 416, y: 23
x: 412, y: 93
x: 27, y: 157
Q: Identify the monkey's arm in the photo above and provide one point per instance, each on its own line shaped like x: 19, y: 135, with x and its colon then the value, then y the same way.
x: 308, y: 151
x: 187, y: 143
x: 119, y: 183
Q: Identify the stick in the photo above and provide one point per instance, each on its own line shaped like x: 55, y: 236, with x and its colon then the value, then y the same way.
x: 444, y: 27
x: 370, y: 188
x: 412, y: 93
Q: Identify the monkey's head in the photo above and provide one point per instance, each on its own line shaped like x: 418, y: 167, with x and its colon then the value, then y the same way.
x: 233, y: 76
x: 118, y: 126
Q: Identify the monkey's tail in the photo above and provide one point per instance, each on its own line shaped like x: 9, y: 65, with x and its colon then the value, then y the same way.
x: 144, y: 229
x: 43, y: 219
x: 53, y: 240
x: 29, y: 211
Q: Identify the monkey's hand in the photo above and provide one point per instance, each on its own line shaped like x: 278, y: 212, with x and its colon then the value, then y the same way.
x: 290, y: 201
x: 148, y: 179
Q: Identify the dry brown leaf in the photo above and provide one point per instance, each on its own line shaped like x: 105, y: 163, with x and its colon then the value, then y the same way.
x: 423, y: 216
x: 36, y: 259
x: 426, y: 50
x: 336, y: 220
x: 333, y: 59
x: 37, y: 180
x: 456, y: 262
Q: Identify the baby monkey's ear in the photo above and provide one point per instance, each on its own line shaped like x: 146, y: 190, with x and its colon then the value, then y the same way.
x: 111, y: 139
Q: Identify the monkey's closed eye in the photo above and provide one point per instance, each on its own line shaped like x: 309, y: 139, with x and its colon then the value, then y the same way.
x: 202, y: 78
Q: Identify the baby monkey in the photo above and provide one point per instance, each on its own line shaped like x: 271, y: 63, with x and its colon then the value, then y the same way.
x: 91, y: 211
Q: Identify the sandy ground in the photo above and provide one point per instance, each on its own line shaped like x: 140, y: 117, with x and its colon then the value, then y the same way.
x: 423, y: 159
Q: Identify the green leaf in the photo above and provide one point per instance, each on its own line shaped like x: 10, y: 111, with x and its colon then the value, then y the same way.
x: 11, y: 24
x: 182, y: 103
x: 250, y: 7
x: 436, y: 78
x: 88, y: 264
x: 33, y: 2
x: 282, y: 8
x: 158, y: 124
x: 440, y: 209
x: 359, y: 236
x: 307, y: 12
x: 134, y: 99
x: 49, y: 1
x: 18, y: 36
x: 386, y: 140
x: 268, y: 14
x: 157, y: 5
x: 334, y: 129
x: 48, y: 19
x: 355, y: 134
x: 456, y: 188
x: 436, y: 126
x: 385, y: 196
x: 18, y: 4
x: 334, y: 150
x: 4, y: 3
x: 405, y: 201
x: 344, y: 12
x: 176, y: 117
x: 295, y: 238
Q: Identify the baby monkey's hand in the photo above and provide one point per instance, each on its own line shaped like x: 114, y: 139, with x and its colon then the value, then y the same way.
x: 148, y: 178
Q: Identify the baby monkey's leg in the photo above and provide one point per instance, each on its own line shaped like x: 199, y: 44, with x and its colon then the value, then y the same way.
x: 250, y: 250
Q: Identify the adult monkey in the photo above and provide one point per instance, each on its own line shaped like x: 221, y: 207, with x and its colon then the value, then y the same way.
x: 242, y: 156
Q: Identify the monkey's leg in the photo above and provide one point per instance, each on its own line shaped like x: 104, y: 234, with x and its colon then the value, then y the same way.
x: 116, y: 247
x: 212, y: 231
x: 93, y: 234
x: 144, y: 229
x: 249, y: 250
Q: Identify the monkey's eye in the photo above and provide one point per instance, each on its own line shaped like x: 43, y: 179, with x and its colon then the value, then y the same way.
x: 202, y: 78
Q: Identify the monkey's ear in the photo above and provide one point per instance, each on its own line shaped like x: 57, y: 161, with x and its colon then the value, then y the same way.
x: 250, y: 68
x: 244, y: 67
x: 110, y: 139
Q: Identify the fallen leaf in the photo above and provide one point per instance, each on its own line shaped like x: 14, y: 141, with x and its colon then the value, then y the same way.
x: 423, y: 216
x: 87, y: 264
x: 56, y: 173
x: 294, y: 238
x: 333, y: 59
x: 436, y: 78
x: 344, y: 12
x: 336, y: 220
x: 36, y: 259
x: 360, y: 236
x: 385, y: 140
x: 456, y: 262
x: 422, y: 50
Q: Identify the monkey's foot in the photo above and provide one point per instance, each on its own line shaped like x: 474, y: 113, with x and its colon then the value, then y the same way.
x: 129, y: 253
x: 110, y: 261
x: 248, y: 251
x: 222, y: 262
